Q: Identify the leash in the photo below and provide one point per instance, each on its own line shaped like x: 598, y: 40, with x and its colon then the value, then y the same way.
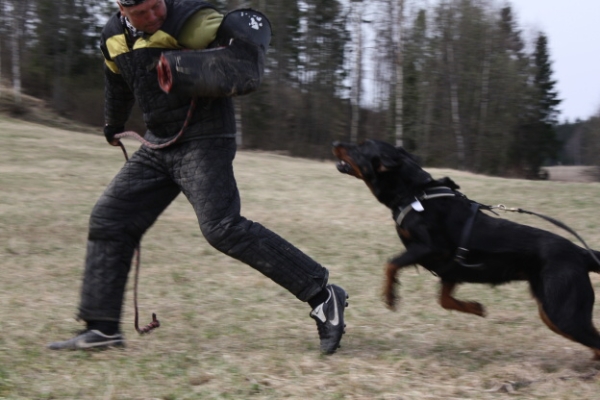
x: 154, y: 146
x: 556, y: 222
x: 155, y: 323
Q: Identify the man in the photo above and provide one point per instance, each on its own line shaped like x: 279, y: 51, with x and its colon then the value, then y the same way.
x: 190, y: 150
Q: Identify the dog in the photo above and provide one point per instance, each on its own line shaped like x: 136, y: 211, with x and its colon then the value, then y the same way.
x: 451, y: 236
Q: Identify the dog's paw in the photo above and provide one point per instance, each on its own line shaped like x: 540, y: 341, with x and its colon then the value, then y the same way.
x: 476, y: 308
x: 390, y: 306
x: 390, y: 300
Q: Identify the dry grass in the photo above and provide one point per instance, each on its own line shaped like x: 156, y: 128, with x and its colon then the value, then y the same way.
x: 230, y: 333
x: 572, y: 173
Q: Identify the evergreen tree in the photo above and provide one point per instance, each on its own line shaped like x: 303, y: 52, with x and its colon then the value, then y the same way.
x: 279, y: 92
x: 413, y: 105
x: 510, y: 95
x: 65, y: 49
x: 548, y: 100
x: 536, y: 141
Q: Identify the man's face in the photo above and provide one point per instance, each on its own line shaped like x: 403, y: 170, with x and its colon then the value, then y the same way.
x: 147, y: 16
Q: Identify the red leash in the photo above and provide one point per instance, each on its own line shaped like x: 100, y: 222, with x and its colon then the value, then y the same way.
x: 154, y: 146
x: 155, y: 322
x: 131, y: 134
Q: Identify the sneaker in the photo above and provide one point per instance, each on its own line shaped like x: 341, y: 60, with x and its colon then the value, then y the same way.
x: 330, y: 319
x: 89, y: 339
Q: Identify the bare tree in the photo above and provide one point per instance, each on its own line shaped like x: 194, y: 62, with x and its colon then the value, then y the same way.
x: 17, y: 9
x: 3, y: 12
x: 397, y: 8
x: 355, y: 96
x: 231, y: 5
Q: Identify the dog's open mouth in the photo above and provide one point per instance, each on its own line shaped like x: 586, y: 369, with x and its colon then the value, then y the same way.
x: 344, y: 167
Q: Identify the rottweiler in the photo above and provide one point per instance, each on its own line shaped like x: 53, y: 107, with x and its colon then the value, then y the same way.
x: 451, y: 236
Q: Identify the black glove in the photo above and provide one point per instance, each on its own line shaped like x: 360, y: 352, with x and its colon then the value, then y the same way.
x: 110, y: 131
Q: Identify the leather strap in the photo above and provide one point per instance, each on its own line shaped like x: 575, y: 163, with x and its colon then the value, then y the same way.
x: 463, y: 251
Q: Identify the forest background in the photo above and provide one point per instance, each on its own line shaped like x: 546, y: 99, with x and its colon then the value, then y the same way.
x: 456, y: 83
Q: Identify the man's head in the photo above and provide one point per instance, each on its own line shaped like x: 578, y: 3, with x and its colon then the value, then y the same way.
x: 145, y: 15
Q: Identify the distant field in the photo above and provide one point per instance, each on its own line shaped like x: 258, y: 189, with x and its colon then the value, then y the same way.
x: 229, y: 333
x: 573, y: 173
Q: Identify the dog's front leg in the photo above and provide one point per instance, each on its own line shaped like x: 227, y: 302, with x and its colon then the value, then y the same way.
x: 449, y: 302
x: 410, y: 257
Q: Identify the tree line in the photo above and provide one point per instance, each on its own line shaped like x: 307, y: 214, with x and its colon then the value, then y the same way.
x: 456, y: 83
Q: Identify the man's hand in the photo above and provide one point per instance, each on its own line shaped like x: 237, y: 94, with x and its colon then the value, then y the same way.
x: 109, y: 133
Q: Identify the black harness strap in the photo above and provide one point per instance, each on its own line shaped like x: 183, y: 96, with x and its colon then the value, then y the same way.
x: 432, y: 193
x: 443, y: 191
x: 463, y: 251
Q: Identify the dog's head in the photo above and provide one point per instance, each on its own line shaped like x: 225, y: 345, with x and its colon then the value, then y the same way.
x: 390, y: 172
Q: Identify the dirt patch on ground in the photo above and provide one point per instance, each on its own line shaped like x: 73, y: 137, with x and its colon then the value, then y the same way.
x: 576, y: 173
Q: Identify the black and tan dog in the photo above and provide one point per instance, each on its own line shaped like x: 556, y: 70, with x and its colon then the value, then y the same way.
x: 449, y: 235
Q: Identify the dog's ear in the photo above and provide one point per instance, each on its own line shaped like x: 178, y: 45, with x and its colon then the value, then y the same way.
x: 413, y: 157
x: 417, y: 175
x: 412, y: 170
x: 388, y: 162
x: 393, y: 157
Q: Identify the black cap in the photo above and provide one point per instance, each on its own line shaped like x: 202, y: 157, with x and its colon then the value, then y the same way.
x: 130, y: 3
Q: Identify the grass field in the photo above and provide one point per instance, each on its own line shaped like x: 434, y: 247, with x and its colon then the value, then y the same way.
x: 229, y: 333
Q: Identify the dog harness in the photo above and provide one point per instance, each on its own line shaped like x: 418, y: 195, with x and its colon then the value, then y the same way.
x: 444, y: 191
x: 440, y: 191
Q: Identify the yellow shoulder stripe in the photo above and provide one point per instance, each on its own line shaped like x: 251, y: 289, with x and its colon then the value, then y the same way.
x: 117, y: 44
x: 160, y: 39
x: 112, y: 66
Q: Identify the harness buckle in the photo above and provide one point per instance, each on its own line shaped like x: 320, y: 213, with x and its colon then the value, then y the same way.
x: 417, y: 206
x: 461, y: 254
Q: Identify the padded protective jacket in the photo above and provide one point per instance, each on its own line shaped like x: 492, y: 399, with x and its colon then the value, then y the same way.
x: 130, y: 74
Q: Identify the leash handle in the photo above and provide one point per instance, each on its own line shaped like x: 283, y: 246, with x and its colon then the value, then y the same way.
x: 140, y: 138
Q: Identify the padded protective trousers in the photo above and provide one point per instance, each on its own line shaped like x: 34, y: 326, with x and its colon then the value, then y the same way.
x: 201, y: 169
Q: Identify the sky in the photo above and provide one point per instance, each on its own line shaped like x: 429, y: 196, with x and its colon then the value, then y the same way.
x: 573, y: 31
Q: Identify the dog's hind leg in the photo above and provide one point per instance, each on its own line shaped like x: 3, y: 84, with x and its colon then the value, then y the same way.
x: 566, y: 307
x: 588, y: 336
x: 449, y: 302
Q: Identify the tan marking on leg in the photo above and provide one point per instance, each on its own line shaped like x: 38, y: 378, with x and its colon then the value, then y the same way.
x: 549, y: 323
x: 555, y: 329
x: 389, y: 286
x: 448, y: 302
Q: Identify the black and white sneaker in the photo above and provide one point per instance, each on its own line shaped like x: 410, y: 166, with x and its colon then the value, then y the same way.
x: 330, y: 319
x: 89, y: 339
